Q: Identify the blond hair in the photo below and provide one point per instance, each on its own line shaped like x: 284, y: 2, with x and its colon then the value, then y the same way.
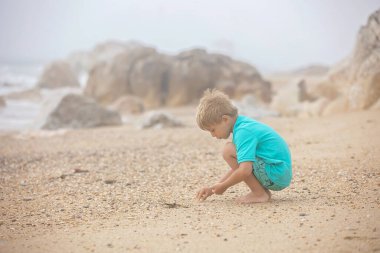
x: 212, y: 106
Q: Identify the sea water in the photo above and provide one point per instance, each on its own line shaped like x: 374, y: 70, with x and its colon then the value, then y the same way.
x: 25, y: 114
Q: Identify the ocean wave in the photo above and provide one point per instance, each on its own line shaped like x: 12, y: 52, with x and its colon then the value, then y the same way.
x: 18, y: 77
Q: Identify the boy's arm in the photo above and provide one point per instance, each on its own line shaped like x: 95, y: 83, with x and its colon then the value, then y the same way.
x: 244, y: 170
x: 205, y: 192
x: 227, y: 175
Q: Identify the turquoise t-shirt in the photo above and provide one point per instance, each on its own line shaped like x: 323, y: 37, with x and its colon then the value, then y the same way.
x: 255, y: 139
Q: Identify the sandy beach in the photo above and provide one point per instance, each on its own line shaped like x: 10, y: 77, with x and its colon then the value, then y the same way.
x: 121, y: 189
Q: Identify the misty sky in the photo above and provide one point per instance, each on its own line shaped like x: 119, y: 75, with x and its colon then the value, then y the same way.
x: 273, y: 35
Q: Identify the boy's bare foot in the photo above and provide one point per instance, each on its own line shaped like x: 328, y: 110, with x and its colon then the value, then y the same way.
x: 253, y: 197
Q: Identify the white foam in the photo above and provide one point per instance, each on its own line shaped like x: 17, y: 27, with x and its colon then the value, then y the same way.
x: 18, y: 77
x: 18, y: 115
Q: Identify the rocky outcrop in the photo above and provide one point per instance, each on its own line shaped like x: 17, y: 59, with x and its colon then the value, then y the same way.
x: 195, y: 70
x: 58, y: 74
x: 355, y: 82
x: 75, y: 111
x: 108, y: 81
x: 161, y: 80
x: 149, y: 79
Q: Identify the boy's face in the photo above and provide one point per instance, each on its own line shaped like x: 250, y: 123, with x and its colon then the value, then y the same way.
x: 223, y: 129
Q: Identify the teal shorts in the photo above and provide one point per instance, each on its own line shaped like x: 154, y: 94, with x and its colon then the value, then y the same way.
x: 259, y: 170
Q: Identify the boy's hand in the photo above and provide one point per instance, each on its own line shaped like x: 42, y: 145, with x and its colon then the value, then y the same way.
x: 219, y: 188
x: 204, y: 193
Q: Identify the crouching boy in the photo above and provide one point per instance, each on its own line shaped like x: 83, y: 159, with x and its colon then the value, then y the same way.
x: 257, y: 155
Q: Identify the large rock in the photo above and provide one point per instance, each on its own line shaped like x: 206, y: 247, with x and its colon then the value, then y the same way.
x: 161, y: 80
x: 149, y: 79
x: 355, y: 82
x: 76, y: 111
x: 108, y: 81
x: 50, y: 100
x: 192, y: 72
x: 195, y: 70
x: 58, y: 74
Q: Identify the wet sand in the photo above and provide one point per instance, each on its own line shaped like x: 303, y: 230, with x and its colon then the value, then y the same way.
x: 122, y: 189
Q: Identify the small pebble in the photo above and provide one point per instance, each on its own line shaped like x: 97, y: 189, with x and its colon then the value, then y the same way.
x: 77, y: 170
x: 110, y: 181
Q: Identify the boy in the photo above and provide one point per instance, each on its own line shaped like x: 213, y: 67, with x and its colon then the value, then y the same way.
x: 257, y: 154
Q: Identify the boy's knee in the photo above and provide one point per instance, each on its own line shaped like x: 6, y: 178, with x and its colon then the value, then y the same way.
x: 229, y: 150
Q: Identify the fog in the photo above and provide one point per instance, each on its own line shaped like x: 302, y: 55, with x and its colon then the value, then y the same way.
x: 272, y: 35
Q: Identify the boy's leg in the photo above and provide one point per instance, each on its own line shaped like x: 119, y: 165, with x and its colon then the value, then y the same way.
x: 258, y: 192
x: 229, y: 155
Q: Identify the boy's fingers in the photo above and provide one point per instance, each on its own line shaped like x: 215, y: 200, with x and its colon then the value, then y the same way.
x: 200, y: 194
x: 203, y: 196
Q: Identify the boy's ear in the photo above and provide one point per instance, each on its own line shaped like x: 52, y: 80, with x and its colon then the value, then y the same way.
x: 224, y: 117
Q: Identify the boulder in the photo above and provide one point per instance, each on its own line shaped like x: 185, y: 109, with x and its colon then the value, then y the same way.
x: 149, y: 79
x: 56, y: 75
x: 352, y: 84
x: 76, y: 111
x: 108, y: 81
x: 192, y: 72
x: 128, y: 105
x: 195, y: 70
x: 356, y: 80
x: 50, y: 100
x: 158, y: 120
